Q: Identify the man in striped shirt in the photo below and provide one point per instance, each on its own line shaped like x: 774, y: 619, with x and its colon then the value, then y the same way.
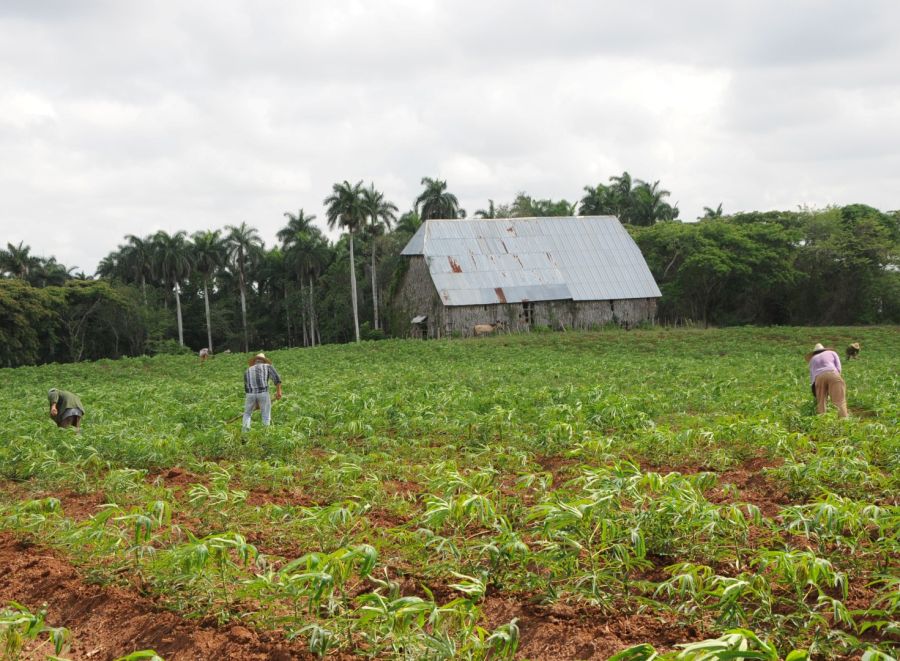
x: 256, y: 389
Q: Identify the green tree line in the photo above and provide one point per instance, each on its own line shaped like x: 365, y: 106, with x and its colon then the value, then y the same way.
x: 224, y: 289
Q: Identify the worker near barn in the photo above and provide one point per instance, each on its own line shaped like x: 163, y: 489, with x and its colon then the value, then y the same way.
x: 256, y: 389
x: 65, y: 408
x: 826, y: 379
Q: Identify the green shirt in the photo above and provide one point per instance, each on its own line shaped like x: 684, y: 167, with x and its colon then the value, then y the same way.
x: 64, y: 400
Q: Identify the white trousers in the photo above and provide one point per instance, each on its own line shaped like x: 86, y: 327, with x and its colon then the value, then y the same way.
x: 251, y: 399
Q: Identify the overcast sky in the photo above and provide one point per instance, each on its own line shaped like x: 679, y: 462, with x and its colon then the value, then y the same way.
x: 121, y: 117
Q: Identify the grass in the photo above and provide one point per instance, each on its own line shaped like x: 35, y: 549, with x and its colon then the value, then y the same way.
x: 407, y: 488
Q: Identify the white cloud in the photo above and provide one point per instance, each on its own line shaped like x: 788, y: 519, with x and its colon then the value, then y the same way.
x: 120, y: 118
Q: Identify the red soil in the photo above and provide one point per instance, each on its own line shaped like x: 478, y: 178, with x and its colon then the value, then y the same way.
x: 110, y: 622
x: 563, y: 631
x: 107, y: 622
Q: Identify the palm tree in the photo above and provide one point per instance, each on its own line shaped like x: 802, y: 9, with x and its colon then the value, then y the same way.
x: 409, y: 223
x: 306, y: 251
x: 649, y: 205
x: 208, y: 254
x: 137, y: 256
x: 49, y: 272
x: 345, y: 209
x: 381, y: 213
x: 490, y: 212
x: 598, y: 201
x: 713, y: 213
x: 311, y: 256
x: 17, y: 260
x: 436, y: 202
x: 243, y: 243
x: 109, y: 267
x: 622, y: 196
x: 297, y: 225
x: 173, y: 263
x: 292, y: 237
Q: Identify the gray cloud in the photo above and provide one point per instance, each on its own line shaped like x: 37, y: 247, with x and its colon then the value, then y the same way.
x: 125, y: 117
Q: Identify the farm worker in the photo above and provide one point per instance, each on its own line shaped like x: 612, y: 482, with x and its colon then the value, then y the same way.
x: 256, y: 387
x: 65, y: 408
x: 204, y: 354
x: 825, y: 376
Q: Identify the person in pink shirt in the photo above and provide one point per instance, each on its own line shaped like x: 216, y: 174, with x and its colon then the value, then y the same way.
x: 826, y: 379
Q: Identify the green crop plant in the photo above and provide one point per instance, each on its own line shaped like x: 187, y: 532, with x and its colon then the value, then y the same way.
x: 315, y: 583
x: 589, y: 542
x: 272, y: 476
x: 688, y: 589
x: 803, y: 571
x: 329, y: 521
x: 415, y: 627
x: 207, y: 564
x: 32, y: 515
x: 733, y: 644
x: 542, y: 467
x: 504, y: 550
x: 18, y: 625
x: 124, y: 485
x: 844, y: 522
x: 459, y: 511
x: 734, y: 523
x: 736, y: 644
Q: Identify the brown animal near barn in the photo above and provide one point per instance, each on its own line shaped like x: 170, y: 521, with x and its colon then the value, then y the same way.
x: 487, y: 329
x: 853, y: 351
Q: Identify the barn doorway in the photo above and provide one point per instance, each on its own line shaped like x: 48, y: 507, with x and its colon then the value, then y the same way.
x: 528, y: 313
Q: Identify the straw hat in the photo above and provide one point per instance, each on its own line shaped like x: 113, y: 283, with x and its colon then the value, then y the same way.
x: 816, y: 349
x: 259, y: 358
x: 855, y: 345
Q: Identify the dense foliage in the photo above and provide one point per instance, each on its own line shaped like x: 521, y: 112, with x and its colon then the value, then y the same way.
x: 449, y: 499
x: 224, y: 289
x: 837, y: 266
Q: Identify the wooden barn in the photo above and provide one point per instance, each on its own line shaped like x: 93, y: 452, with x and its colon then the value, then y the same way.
x: 574, y: 272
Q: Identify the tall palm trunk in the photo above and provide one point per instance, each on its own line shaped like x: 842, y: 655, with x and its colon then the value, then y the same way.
x: 374, y: 287
x: 303, y: 314
x: 353, y: 288
x: 312, y: 313
x: 208, y: 323
x: 287, y: 316
x: 178, y: 315
x: 243, y: 309
x: 144, y: 288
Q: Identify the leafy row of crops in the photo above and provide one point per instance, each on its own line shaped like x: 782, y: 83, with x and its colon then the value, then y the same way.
x: 448, y: 499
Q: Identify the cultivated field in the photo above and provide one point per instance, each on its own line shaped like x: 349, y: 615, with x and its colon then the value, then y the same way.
x: 547, y: 496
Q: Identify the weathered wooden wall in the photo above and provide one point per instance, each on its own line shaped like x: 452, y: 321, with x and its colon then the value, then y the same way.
x: 557, y: 315
x: 417, y: 295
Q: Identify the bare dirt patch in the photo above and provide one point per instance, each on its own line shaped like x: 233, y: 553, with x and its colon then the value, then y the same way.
x: 401, y: 488
x: 561, y: 468
x: 292, y: 497
x: 75, y: 505
x: 564, y: 631
x: 80, y: 506
x: 111, y: 622
x: 753, y: 486
x: 175, y: 478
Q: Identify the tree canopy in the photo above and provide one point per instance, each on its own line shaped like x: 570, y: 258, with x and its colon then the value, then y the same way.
x: 225, y: 288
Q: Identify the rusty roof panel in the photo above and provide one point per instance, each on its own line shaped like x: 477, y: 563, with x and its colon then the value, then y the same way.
x: 535, y: 259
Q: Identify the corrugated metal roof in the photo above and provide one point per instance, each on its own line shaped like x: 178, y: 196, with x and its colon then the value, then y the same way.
x: 510, y: 260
